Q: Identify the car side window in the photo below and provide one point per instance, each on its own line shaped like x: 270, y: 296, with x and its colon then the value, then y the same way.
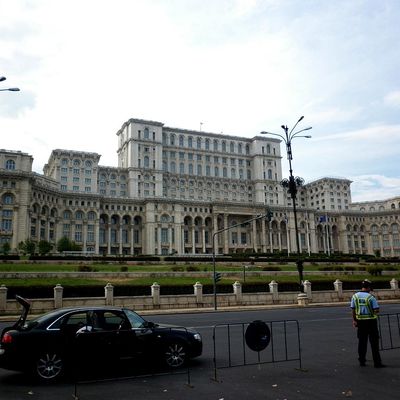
x: 112, y: 321
x: 71, y: 321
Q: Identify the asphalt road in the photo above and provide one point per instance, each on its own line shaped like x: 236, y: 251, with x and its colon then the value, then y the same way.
x: 329, y: 365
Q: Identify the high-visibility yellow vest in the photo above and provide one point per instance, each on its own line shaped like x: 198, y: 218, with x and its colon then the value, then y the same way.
x: 364, y: 302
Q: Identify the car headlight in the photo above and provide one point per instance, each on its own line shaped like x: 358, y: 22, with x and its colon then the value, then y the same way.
x: 197, y: 336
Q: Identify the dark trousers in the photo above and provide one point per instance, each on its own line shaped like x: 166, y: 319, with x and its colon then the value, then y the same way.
x: 368, y: 329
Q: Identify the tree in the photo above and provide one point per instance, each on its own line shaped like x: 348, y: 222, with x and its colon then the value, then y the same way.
x: 44, y: 247
x: 64, y: 244
x: 6, y: 248
x: 28, y: 247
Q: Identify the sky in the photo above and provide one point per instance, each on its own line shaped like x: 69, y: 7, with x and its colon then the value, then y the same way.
x: 239, y: 67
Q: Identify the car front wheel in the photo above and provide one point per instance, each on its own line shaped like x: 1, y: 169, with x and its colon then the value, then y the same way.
x: 49, y: 366
x: 175, y: 355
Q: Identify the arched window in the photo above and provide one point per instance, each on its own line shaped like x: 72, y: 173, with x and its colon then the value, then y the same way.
x: 64, y: 161
x: 91, y: 215
x: 215, y: 145
x: 146, y: 161
x: 173, y: 167
x: 208, y: 170
x: 164, y: 138
x: 10, y: 164
x: 79, y: 215
x: 247, y: 149
x: 216, y: 171
x: 240, y: 148
x: 224, y: 172
x: 164, y: 218
x: 241, y: 176
x: 190, y: 169
x: 77, y: 163
x: 199, y: 170
x: 223, y: 146
x: 181, y: 168
x: 232, y: 147
x: 190, y: 141
x: 270, y: 174
x: 164, y: 166
x: 88, y: 163
x: 207, y: 144
x: 172, y: 140
x: 233, y: 173
x: 181, y: 140
x: 8, y: 199
x: 268, y: 149
x: 199, y: 143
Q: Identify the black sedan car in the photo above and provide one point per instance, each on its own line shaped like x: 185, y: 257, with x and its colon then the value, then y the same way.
x: 68, y: 338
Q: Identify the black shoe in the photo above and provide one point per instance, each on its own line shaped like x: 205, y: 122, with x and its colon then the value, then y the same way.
x: 380, y: 366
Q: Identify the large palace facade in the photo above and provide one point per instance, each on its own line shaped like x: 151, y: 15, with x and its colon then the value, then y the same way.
x: 174, y: 188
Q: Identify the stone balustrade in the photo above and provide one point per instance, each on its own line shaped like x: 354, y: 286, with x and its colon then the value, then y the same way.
x: 198, y: 299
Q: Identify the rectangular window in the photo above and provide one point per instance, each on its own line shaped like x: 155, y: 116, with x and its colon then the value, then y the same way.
x: 164, y: 236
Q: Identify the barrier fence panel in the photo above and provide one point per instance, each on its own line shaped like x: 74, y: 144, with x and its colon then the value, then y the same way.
x: 389, y: 329
x: 166, y: 359
x: 257, y: 342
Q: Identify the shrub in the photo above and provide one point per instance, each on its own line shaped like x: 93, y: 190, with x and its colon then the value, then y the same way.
x: 375, y: 271
x: 86, y: 268
x: 271, y: 268
x: 124, y: 268
x: 192, y: 268
x: 176, y: 268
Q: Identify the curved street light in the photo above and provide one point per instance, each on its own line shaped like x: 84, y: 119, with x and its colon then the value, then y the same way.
x: 293, y: 182
x: 13, y: 89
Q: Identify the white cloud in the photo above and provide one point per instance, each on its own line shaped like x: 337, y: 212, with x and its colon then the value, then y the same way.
x: 374, y: 187
x: 392, y: 99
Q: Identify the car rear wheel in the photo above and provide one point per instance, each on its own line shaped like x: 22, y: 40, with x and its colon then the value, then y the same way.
x: 49, y: 366
x: 175, y: 354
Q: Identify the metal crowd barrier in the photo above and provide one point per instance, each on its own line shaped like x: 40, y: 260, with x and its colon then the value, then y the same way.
x: 389, y: 329
x: 283, y: 344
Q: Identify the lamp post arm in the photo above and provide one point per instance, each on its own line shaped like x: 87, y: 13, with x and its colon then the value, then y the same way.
x: 296, y: 133
x: 274, y: 134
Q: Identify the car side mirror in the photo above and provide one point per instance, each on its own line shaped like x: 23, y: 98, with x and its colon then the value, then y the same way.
x: 150, y: 325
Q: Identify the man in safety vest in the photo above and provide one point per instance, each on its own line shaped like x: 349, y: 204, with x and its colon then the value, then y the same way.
x: 365, y: 309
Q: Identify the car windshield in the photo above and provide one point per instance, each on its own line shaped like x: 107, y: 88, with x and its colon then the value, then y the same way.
x: 136, y: 320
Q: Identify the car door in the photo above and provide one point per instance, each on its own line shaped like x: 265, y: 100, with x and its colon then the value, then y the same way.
x: 113, y: 331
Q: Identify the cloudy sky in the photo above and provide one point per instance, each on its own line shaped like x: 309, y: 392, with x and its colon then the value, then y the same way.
x: 84, y: 67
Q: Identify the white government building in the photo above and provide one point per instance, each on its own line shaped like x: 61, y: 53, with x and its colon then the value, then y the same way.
x: 173, y: 188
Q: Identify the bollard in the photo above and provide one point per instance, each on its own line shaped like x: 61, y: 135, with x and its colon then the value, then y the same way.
x: 273, y: 288
x: 237, y: 290
x: 155, y: 293
x: 307, y: 289
x: 302, y: 299
x: 58, y: 296
x: 198, y: 292
x: 109, y: 294
x: 394, y: 284
x: 3, y: 298
x: 338, y: 288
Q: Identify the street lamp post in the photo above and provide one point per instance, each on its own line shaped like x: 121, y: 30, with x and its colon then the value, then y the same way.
x: 12, y: 89
x: 293, y: 183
